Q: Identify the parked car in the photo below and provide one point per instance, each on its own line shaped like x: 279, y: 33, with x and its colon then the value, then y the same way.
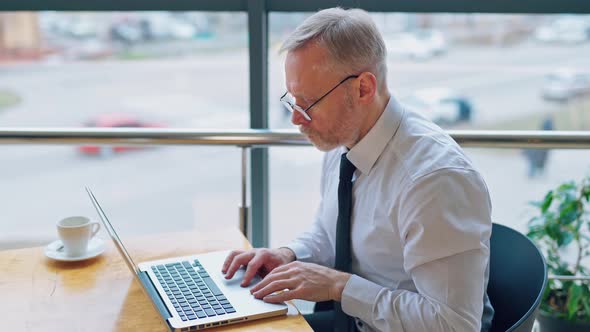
x: 417, y: 44
x: 166, y: 26
x: 91, y: 48
x: 440, y: 105
x: 126, y: 31
x: 565, y: 84
x: 114, y: 121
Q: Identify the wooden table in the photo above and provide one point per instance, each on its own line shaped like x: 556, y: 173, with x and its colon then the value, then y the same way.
x: 40, y: 294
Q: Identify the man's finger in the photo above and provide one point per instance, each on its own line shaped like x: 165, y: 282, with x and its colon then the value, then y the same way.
x: 285, y: 267
x: 268, y: 279
x: 276, y: 286
x: 251, y: 270
x: 283, y: 296
x: 229, y: 259
x: 239, y: 260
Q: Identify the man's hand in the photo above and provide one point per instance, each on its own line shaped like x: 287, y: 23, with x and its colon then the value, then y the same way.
x: 304, y: 281
x: 261, y: 261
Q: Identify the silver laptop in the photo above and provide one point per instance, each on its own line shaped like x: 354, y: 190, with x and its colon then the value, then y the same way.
x: 190, y: 292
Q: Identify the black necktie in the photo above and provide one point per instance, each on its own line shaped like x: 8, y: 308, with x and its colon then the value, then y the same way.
x: 343, y: 261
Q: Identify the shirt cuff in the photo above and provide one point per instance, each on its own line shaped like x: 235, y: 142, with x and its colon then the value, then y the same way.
x: 359, y: 297
x: 302, y: 252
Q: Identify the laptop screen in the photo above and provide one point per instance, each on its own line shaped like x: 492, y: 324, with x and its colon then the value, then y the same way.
x: 113, y: 233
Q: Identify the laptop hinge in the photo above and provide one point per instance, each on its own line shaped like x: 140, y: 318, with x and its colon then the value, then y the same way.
x: 153, y: 293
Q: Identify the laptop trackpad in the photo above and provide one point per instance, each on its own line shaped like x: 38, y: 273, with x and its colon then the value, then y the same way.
x: 236, y: 281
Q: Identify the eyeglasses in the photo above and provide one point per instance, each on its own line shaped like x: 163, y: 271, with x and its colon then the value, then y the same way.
x: 289, y: 101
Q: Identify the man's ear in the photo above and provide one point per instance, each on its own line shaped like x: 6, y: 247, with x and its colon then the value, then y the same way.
x: 367, y: 87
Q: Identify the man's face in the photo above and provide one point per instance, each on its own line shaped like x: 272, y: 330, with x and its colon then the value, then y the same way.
x: 335, y: 120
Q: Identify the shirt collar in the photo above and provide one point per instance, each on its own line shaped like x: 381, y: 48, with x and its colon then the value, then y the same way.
x: 365, y: 153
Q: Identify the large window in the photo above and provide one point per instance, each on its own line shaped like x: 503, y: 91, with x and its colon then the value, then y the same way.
x: 191, y: 69
x: 122, y: 69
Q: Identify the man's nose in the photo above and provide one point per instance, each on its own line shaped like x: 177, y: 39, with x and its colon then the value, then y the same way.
x: 298, y: 118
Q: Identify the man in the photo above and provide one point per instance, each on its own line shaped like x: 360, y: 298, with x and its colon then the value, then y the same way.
x: 401, y: 237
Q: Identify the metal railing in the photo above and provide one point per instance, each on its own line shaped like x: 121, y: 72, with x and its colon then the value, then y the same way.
x: 264, y: 137
x: 569, y: 278
x: 246, y: 139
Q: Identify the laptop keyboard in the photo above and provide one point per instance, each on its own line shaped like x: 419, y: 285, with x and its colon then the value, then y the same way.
x: 192, y: 291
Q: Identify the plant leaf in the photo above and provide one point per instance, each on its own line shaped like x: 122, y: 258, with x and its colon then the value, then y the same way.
x: 567, y: 186
x: 553, y: 230
x: 547, y: 201
x: 568, y: 211
x: 586, y: 304
x: 566, y: 239
x: 573, y: 300
x: 536, y: 232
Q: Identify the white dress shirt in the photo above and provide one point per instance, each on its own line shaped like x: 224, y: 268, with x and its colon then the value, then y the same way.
x: 421, y: 225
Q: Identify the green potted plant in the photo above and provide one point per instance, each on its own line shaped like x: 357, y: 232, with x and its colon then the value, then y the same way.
x: 561, y: 230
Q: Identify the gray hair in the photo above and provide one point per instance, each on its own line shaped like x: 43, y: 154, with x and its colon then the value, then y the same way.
x: 350, y: 37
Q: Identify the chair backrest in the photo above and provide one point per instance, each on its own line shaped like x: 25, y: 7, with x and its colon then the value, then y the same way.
x: 518, y: 276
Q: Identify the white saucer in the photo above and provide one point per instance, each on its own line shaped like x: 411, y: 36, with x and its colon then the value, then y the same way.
x: 95, y: 248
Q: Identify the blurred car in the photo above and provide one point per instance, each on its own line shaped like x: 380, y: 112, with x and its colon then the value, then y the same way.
x: 440, y: 105
x: 565, y: 84
x: 87, y: 49
x: 166, y: 26
x: 114, y: 121
x: 82, y: 28
x: 417, y: 44
x: 566, y: 29
x: 200, y: 21
x: 126, y: 31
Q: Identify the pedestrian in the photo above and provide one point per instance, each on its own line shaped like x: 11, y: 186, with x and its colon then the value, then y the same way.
x: 537, y: 158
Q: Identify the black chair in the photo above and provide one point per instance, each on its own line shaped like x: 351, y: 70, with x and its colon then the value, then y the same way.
x: 518, y: 276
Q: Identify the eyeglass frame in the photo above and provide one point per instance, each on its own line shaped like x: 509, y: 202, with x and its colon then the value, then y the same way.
x: 295, y: 107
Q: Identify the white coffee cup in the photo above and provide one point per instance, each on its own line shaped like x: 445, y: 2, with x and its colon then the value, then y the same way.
x: 75, y: 233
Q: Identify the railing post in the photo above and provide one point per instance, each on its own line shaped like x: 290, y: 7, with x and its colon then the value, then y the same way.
x: 244, y: 209
x: 258, y: 51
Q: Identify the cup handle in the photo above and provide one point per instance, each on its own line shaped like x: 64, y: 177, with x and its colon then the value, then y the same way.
x: 95, y: 228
